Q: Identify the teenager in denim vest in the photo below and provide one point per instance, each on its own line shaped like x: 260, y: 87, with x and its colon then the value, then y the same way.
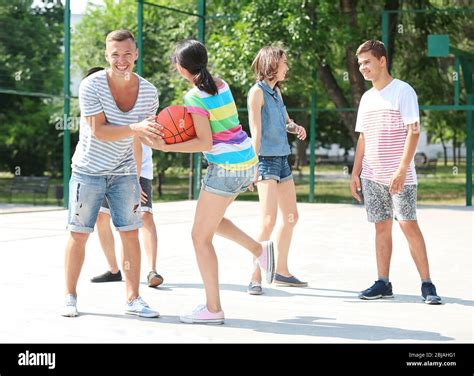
x: 269, y: 124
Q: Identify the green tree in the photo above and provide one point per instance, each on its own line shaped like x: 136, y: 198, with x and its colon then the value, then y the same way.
x: 30, y: 62
x: 433, y: 78
x: 319, y: 35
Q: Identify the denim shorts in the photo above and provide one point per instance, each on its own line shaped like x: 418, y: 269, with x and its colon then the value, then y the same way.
x: 381, y: 205
x: 147, y: 206
x: 86, y: 193
x: 274, y: 168
x: 227, y: 183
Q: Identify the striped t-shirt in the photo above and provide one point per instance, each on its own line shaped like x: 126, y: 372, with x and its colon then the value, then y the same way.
x: 383, y: 117
x: 231, y: 147
x: 95, y: 157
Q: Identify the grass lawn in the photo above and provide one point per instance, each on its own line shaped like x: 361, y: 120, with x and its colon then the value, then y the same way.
x: 446, y: 187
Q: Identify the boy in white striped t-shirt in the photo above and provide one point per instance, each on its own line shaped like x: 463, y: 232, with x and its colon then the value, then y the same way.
x: 384, y: 172
x: 116, y: 105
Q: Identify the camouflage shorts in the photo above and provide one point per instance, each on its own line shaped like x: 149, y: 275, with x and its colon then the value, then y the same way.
x: 381, y: 205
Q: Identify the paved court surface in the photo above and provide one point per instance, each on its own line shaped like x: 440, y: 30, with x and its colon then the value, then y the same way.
x: 332, y: 249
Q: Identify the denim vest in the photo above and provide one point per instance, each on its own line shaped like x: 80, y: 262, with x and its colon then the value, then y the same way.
x: 274, y: 140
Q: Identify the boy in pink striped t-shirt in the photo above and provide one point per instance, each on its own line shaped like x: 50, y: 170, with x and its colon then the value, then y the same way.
x: 384, y: 172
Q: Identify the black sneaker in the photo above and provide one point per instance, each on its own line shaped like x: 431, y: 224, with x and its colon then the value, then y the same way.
x: 380, y: 289
x: 428, y: 292
x: 108, y: 276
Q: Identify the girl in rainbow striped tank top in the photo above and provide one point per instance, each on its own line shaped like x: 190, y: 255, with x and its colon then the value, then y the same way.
x: 232, y: 168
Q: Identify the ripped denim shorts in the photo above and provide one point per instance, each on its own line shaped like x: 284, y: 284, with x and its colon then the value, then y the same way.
x: 86, y: 193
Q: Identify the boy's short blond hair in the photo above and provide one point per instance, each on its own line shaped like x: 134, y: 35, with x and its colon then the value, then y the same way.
x: 119, y: 36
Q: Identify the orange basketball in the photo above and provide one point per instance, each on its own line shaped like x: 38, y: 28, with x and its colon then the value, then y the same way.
x: 177, y: 124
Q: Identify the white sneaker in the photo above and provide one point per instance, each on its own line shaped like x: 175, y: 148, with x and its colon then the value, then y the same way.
x: 140, y: 308
x: 266, y: 260
x: 70, y: 310
x: 201, y: 315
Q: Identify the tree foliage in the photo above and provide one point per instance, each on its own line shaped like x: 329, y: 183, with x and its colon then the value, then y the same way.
x: 30, y: 61
x: 320, y: 36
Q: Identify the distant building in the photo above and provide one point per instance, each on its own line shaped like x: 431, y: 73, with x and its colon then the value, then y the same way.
x: 432, y: 151
x: 435, y: 151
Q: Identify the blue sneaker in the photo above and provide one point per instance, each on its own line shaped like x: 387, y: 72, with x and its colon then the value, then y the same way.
x: 428, y: 292
x: 380, y: 289
x: 140, y: 308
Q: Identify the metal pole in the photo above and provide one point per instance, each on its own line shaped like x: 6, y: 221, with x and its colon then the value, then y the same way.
x: 140, y: 36
x: 202, y: 20
x: 67, y: 99
x: 385, y: 35
x: 197, y: 156
x: 470, y: 101
x: 456, y: 81
x: 312, y: 124
x: 312, y: 139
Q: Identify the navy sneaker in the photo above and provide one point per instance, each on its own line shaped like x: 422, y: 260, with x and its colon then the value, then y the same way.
x: 379, y: 289
x: 428, y: 292
x: 292, y: 281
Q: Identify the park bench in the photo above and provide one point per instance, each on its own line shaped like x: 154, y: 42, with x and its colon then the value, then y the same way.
x: 38, y: 185
x: 427, y: 167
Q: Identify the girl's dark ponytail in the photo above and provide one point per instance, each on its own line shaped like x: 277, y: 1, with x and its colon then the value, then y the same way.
x: 204, y: 81
x: 192, y: 55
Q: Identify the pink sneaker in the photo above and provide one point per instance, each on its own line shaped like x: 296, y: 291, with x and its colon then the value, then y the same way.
x: 267, y: 260
x: 201, y: 315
